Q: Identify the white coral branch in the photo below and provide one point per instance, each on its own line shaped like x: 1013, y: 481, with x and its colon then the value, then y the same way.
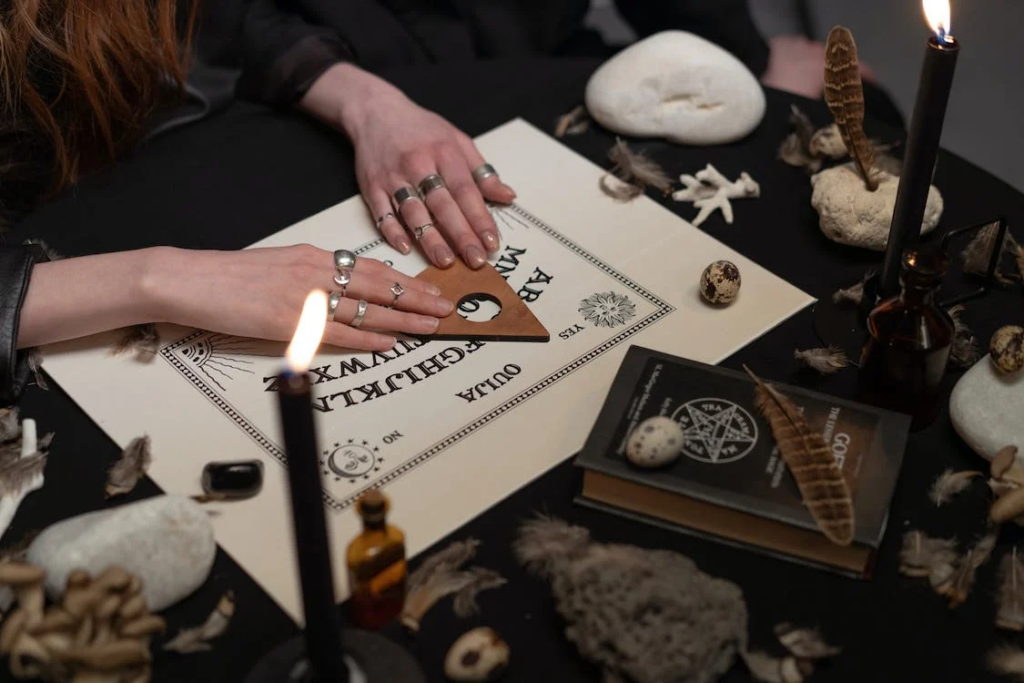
x: 710, y: 190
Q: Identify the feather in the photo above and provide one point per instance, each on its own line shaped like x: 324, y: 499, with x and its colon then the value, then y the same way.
x: 15, y: 476
x: 195, y: 639
x: 544, y: 541
x: 130, y: 467
x: 1018, y: 255
x: 958, y: 586
x: 35, y: 366
x: 826, y: 361
x: 964, y: 349
x: 10, y: 427
x: 50, y: 253
x: 1006, y: 659
x: 619, y: 190
x: 804, y: 643
x: 978, y: 252
x: 1010, y: 600
x: 821, y: 483
x: 637, y: 168
x: 768, y: 669
x: 575, y: 122
x: 950, y: 483
x: 796, y: 148
x: 441, y: 575
x: 844, y: 95
x: 922, y: 556
x: 855, y: 294
x: 143, y: 340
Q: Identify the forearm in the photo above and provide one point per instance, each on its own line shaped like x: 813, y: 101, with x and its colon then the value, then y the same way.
x: 77, y: 297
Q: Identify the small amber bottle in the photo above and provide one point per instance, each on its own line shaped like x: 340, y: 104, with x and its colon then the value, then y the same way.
x: 905, y: 357
x: 376, y: 565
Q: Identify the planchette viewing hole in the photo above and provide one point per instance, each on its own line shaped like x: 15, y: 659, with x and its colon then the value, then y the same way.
x: 479, y: 307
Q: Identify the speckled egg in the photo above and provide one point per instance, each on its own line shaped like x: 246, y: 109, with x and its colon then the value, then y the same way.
x: 655, y: 442
x: 720, y: 283
x: 1007, y: 348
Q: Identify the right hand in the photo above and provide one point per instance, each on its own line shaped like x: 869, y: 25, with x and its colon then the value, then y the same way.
x: 260, y: 293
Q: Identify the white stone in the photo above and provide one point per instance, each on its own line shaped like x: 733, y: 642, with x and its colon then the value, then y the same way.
x: 987, y: 409
x: 851, y: 214
x: 655, y: 442
x: 678, y: 86
x: 167, y: 541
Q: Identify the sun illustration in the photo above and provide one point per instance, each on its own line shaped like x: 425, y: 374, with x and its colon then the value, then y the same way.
x: 220, y: 356
x: 607, y: 309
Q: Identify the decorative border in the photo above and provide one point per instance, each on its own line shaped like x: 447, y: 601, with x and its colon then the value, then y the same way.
x: 662, y: 309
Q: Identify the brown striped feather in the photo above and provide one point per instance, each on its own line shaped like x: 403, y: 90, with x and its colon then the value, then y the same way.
x: 844, y: 95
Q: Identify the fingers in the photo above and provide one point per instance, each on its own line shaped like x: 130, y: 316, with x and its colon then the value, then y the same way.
x: 341, y: 335
x: 492, y: 188
x: 378, y: 291
x: 456, y: 227
x: 376, y: 269
x: 415, y: 214
x: 381, y: 318
x: 466, y: 195
x: 391, y: 228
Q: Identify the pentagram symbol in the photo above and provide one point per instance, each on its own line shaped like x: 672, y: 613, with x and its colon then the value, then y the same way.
x: 717, y: 431
x: 351, y: 461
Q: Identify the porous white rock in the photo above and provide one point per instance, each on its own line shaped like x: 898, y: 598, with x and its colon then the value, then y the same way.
x: 655, y: 442
x: 677, y: 86
x: 987, y: 409
x: 167, y: 541
x: 851, y: 214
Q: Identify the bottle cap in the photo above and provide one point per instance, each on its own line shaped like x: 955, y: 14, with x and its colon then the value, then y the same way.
x: 372, y: 506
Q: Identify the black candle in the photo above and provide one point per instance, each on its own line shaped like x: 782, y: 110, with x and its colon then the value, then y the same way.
x: 323, y: 624
x: 922, y: 143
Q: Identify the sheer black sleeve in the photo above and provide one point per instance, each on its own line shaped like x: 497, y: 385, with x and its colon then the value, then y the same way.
x: 725, y: 22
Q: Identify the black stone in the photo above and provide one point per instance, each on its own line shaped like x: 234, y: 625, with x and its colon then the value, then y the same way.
x: 237, y: 479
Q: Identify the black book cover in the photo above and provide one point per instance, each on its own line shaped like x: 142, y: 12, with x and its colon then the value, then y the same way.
x: 730, y: 458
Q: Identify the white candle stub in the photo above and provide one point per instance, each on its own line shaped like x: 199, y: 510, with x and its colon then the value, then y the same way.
x: 29, y: 437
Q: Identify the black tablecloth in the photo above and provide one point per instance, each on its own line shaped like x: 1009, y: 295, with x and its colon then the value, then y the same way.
x: 235, y: 179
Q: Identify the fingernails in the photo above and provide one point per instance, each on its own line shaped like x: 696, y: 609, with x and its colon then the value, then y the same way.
x: 434, y: 289
x: 388, y: 343
x: 404, y: 246
x: 475, y: 256
x: 490, y: 241
x: 510, y: 190
x: 444, y: 306
x: 444, y: 257
x: 429, y: 322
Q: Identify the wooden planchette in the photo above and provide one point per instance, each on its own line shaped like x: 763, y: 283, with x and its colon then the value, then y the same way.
x: 515, y: 321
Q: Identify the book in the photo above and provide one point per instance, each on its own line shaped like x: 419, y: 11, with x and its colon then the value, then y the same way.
x: 730, y: 483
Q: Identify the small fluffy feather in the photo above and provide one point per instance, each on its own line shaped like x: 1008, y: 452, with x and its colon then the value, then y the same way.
x: 10, y: 425
x: 923, y: 556
x: 635, y: 169
x: 575, y: 122
x: 1006, y: 659
x: 130, y: 467
x: 796, y: 148
x: 855, y: 294
x: 142, y: 340
x: 826, y: 361
x: 804, y: 643
x: 964, y: 350
x: 480, y: 579
x: 958, y: 586
x: 1010, y: 599
x: 50, y: 253
x: 950, y: 483
x: 619, y: 190
x: 35, y: 366
x: 978, y: 252
x: 195, y: 639
x: 768, y: 669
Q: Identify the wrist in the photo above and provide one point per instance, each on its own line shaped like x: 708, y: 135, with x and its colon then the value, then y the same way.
x: 345, y: 96
x: 153, y: 283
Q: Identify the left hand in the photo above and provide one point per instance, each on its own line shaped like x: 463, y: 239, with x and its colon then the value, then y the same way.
x: 797, y: 65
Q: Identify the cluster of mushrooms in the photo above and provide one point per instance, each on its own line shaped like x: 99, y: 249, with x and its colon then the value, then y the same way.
x: 99, y: 632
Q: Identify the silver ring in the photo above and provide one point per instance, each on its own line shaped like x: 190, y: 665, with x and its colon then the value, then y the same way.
x: 405, y: 194
x: 483, y: 171
x: 343, y: 258
x: 342, y: 278
x: 398, y: 290
x: 332, y: 304
x: 360, y: 313
x: 420, y: 229
x: 380, y: 221
x: 430, y: 183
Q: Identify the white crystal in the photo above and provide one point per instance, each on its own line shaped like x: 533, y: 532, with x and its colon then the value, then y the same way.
x: 167, y: 541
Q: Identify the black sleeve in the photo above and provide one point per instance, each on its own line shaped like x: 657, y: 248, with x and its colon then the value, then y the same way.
x: 16, y: 264
x: 725, y: 22
x: 284, y: 53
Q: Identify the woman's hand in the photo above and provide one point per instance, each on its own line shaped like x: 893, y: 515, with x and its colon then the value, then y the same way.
x: 260, y: 293
x: 397, y: 145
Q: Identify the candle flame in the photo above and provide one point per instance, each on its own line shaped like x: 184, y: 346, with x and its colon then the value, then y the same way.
x: 308, y: 332
x: 937, y: 12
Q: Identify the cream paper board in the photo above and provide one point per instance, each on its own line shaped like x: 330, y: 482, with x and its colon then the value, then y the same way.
x: 446, y: 428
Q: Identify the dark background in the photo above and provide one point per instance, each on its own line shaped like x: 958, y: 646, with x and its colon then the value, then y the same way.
x: 235, y: 179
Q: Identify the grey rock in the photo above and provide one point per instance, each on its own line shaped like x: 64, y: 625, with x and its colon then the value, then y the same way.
x: 167, y: 541
x: 987, y: 409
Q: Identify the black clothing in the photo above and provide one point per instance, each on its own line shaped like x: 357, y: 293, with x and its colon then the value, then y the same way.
x: 16, y: 264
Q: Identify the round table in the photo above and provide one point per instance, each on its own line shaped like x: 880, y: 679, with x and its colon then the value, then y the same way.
x: 234, y: 179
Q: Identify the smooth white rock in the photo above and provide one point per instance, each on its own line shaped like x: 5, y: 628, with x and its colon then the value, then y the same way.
x: 167, y: 541
x: 850, y: 214
x: 655, y: 442
x: 987, y: 409
x: 678, y: 86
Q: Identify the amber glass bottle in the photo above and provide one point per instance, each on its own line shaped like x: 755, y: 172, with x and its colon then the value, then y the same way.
x: 376, y: 565
x: 904, y: 359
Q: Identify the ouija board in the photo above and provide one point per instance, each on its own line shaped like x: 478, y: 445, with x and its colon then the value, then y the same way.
x: 446, y: 428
